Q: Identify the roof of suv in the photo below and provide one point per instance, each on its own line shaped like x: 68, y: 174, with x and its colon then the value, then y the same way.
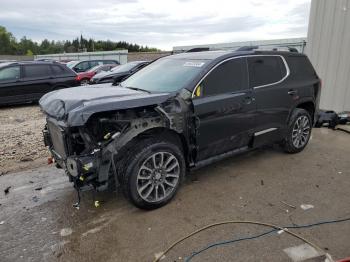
x: 211, y: 55
x: 29, y: 63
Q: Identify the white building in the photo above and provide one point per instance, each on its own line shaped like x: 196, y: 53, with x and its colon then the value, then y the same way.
x: 120, y: 55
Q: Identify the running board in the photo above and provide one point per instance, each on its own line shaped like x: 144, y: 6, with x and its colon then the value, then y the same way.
x: 217, y: 158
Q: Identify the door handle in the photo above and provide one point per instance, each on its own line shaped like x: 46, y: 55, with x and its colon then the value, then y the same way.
x: 292, y: 92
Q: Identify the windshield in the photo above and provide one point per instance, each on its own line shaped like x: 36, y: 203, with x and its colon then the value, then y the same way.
x: 71, y: 64
x: 124, y: 68
x: 165, y: 75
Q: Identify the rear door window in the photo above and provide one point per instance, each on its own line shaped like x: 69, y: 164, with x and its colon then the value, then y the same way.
x: 109, y: 62
x: 10, y: 73
x: 229, y: 77
x: 36, y: 71
x: 265, y: 70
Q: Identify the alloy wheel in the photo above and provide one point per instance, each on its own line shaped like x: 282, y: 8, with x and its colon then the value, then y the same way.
x: 301, y: 131
x: 158, y: 177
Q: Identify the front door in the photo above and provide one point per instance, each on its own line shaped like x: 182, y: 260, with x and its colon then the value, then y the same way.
x: 10, y: 89
x: 224, y: 108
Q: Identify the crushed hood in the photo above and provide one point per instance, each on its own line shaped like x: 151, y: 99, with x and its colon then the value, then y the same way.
x: 75, y: 105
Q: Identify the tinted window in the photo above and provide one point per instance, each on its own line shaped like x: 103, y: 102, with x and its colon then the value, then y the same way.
x: 32, y: 71
x: 58, y: 70
x: 109, y: 62
x: 83, y: 66
x: 10, y: 73
x: 228, y: 77
x: 300, y: 67
x: 265, y: 70
x: 95, y: 63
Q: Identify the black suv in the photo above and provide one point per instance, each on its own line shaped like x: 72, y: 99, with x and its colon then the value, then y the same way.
x: 22, y: 82
x: 179, y: 113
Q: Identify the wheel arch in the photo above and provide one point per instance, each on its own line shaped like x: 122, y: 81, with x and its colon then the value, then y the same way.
x: 306, y: 104
x: 309, y: 106
x: 162, y: 132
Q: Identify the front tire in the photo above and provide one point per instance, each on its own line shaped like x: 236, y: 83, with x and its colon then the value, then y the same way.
x: 299, y: 131
x: 154, y: 173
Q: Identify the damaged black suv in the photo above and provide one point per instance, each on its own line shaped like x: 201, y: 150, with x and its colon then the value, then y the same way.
x: 179, y: 113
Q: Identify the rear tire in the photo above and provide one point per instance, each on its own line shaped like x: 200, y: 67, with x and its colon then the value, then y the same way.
x: 84, y: 82
x: 299, y: 131
x: 153, y: 172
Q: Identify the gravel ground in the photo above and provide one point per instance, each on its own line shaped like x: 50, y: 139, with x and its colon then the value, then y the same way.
x: 21, y: 142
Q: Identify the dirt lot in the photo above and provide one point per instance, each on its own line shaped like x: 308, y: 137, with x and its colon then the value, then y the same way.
x: 38, y: 223
x: 21, y: 142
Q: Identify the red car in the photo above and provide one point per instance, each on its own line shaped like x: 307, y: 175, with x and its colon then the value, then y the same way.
x: 85, y: 77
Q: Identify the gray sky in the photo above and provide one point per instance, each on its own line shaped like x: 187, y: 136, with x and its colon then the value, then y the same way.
x: 157, y: 23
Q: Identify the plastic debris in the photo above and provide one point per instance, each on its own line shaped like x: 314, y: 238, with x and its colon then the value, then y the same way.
x: 2, y: 222
x: 306, y: 206
x: 66, y: 232
x: 7, y: 190
x: 288, y: 204
x: 97, y: 203
x: 35, y: 198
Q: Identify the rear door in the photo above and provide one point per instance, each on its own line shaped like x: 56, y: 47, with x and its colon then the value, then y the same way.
x: 224, y: 107
x: 36, y: 80
x: 10, y: 89
x: 267, y: 76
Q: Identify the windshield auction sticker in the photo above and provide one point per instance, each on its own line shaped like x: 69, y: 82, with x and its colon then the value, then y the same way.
x: 194, y: 64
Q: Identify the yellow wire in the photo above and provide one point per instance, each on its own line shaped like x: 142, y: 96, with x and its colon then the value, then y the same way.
x: 157, y: 259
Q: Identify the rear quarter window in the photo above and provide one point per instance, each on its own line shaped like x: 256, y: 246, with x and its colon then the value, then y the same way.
x: 265, y: 70
x: 300, y: 68
x: 36, y: 71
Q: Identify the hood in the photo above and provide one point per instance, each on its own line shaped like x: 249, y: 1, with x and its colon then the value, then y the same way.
x: 75, y: 105
x: 109, y: 74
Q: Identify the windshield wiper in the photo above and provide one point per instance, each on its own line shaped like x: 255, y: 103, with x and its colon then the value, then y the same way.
x: 137, y: 89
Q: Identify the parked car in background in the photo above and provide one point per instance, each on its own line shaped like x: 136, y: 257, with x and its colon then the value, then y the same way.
x: 22, y: 82
x: 179, y: 113
x: 7, y: 61
x: 119, y: 73
x: 84, y: 77
x: 83, y: 66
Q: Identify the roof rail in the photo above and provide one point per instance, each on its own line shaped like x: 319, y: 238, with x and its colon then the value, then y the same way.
x: 264, y: 48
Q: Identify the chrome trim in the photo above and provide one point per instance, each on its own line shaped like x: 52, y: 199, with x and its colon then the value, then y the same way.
x: 236, y: 57
x: 265, y: 131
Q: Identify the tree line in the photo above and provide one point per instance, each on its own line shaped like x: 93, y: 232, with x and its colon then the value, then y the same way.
x: 9, y: 45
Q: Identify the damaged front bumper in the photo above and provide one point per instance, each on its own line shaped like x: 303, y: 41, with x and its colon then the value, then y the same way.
x: 86, y: 171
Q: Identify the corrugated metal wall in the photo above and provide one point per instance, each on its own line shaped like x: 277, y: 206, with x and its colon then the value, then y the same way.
x: 328, y: 47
